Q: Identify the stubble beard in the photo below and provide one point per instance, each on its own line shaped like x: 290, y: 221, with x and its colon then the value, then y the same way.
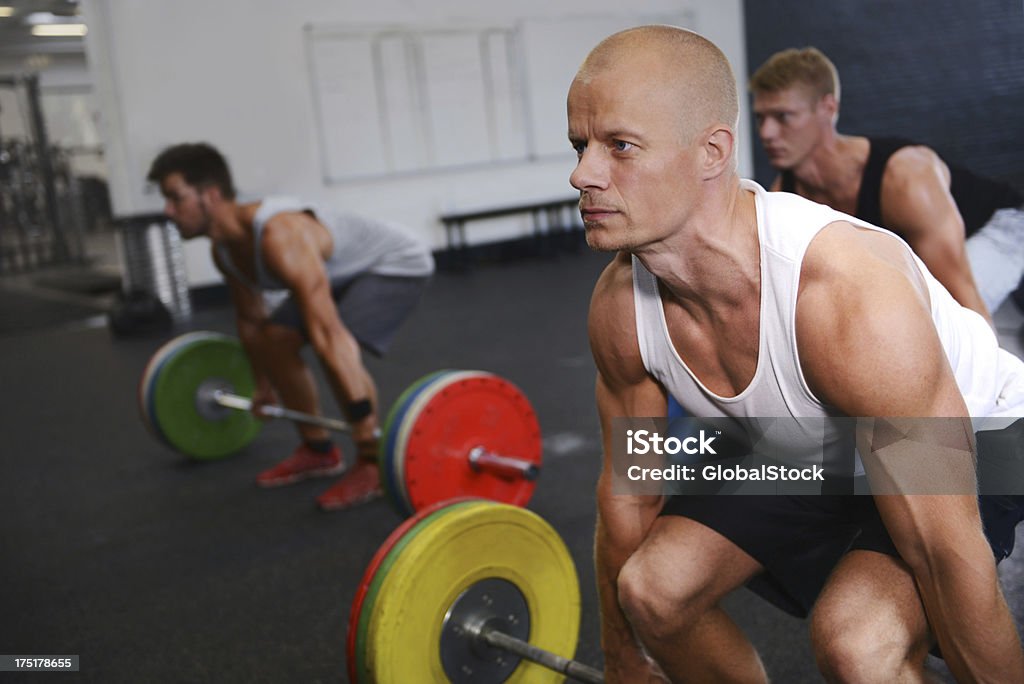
x: 601, y: 240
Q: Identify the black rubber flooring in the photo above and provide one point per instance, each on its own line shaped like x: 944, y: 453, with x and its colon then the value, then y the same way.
x: 22, y: 310
x: 155, y: 569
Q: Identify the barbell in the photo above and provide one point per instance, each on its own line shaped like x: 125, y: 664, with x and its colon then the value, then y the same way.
x: 451, y: 433
x: 467, y: 591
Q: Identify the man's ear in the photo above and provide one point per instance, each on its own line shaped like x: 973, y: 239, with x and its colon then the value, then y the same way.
x: 210, y: 194
x: 829, y: 105
x: 719, y: 142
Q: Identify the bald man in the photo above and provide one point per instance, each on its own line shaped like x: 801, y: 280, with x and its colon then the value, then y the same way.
x: 733, y: 300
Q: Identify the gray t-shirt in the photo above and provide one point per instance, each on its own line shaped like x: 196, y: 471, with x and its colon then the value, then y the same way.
x: 361, y: 245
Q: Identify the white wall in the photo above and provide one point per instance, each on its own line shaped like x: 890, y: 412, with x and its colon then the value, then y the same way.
x: 235, y: 73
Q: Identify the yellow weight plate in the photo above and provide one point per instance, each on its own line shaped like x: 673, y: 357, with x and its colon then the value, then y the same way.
x: 479, y: 541
x: 373, y: 577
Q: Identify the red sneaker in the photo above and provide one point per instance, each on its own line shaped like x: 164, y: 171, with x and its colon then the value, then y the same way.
x: 303, y: 463
x: 359, y: 485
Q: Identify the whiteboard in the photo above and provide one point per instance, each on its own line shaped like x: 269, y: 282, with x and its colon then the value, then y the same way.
x: 349, y: 116
x: 398, y: 100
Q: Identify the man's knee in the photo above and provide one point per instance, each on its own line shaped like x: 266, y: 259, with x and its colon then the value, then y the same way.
x: 655, y: 606
x: 864, y: 646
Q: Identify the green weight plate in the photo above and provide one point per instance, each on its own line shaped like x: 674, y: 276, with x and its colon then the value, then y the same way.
x: 184, y: 420
x: 174, y: 347
x: 145, y: 388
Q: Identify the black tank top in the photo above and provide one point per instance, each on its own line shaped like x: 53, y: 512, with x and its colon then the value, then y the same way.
x: 976, y: 197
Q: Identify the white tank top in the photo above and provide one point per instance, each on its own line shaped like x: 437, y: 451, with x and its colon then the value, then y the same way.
x: 990, y: 379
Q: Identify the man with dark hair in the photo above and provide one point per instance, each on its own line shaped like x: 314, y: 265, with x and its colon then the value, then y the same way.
x: 889, y: 182
x: 746, y: 304
x: 198, y: 163
x: 299, y: 273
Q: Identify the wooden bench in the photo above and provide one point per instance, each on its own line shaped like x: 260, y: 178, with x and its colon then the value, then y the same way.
x: 546, y: 216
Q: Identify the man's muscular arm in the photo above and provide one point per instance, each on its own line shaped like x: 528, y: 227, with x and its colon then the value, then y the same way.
x: 293, y: 256
x: 868, y: 346
x: 624, y: 389
x: 250, y: 316
x: 916, y: 201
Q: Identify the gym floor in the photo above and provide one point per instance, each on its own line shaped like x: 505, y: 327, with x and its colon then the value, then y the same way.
x: 153, y: 568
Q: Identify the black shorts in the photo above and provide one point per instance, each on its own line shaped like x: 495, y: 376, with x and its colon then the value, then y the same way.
x: 800, y: 539
x: 372, y: 307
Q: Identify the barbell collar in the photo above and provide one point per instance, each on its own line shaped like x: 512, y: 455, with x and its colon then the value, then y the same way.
x: 508, y: 467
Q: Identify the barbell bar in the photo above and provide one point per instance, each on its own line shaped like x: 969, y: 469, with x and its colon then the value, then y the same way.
x: 478, y: 458
x: 226, y: 399
x: 451, y: 433
x: 495, y: 638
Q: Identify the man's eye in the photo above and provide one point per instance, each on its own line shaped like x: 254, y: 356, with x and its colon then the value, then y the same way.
x: 579, y: 148
x: 622, y: 145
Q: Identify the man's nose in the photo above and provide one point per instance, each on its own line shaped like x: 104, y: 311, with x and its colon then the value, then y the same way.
x: 591, y: 170
x: 768, y: 128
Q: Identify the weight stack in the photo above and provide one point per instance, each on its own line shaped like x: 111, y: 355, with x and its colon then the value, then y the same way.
x: 153, y: 274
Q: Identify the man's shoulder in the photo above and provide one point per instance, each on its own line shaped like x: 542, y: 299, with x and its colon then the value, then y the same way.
x: 615, y: 281
x: 620, y: 266
x: 277, y: 218
x: 611, y: 322
x: 843, y: 236
x: 277, y: 209
x: 916, y: 189
x: 875, y: 263
x: 613, y: 292
x: 911, y: 162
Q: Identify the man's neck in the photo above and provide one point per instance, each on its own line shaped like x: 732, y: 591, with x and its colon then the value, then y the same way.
x: 715, y: 258
x: 832, y: 173
x: 231, y: 223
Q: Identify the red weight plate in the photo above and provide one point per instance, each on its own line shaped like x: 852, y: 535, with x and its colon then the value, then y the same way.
x: 389, y: 477
x: 396, y: 462
x: 480, y: 411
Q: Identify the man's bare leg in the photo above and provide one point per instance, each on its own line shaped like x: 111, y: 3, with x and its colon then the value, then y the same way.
x: 670, y: 590
x: 869, y: 623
